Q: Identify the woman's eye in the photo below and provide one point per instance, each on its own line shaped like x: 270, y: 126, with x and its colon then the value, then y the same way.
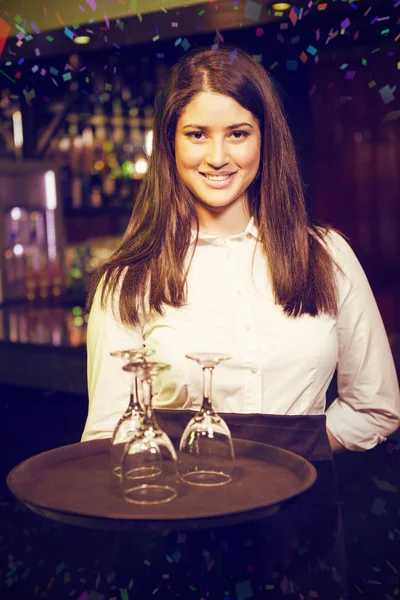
x: 193, y: 133
x: 242, y: 134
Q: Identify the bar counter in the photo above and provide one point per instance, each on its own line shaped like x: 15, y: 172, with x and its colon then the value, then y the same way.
x: 43, y: 347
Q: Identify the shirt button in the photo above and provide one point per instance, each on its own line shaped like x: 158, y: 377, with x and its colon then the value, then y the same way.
x: 254, y: 371
x: 239, y: 292
x: 248, y: 327
x: 227, y: 255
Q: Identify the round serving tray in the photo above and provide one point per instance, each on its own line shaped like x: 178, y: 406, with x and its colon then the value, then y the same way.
x: 73, y: 484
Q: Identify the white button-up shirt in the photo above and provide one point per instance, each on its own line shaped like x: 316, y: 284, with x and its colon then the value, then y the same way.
x: 279, y: 364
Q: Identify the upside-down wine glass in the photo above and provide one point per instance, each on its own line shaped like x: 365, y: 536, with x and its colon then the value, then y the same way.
x: 206, y: 455
x: 132, y: 417
x: 149, y: 463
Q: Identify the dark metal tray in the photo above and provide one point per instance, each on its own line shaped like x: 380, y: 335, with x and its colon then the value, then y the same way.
x: 73, y: 484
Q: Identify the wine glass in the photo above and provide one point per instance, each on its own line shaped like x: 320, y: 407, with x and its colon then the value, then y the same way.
x: 206, y: 455
x: 149, y: 463
x: 131, y: 418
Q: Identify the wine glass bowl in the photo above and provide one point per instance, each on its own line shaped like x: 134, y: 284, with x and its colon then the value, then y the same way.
x: 208, y: 360
x: 149, y: 463
x: 206, y: 455
x: 131, y: 419
x: 132, y: 353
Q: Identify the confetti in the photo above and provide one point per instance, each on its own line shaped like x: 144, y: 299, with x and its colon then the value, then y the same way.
x: 8, y: 77
x: 385, y: 485
x: 4, y: 31
x: 252, y: 10
x: 312, y: 91
x: 29, y: 96
x: 60, y: 567
x: 93, y: 595
x: 92, y: 4
x: 345, y: 24
x: 392, y: 567
x: 70, y: 34
x: 387, y: 96
x: 177, y: 556
x: 35, y: 28
x: 233, y: 56
x: 378, y: 506
x: 284, y: 584
x: 293, y: 17
x: 391, y: 116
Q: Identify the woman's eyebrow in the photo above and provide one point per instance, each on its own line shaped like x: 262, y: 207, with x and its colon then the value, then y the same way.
x: 206, y: 128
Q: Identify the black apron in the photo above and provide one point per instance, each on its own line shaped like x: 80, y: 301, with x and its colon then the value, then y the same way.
x: 300, y: 548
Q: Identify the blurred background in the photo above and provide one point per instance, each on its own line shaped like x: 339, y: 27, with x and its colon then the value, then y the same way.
x: 77, y: 88
x: 78, y: 83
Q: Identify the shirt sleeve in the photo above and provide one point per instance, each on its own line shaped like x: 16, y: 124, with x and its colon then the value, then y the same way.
x: 367, y: 408
x: 108, y: 385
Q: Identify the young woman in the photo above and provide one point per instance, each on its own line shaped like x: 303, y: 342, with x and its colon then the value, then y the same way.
x: 220, y: 256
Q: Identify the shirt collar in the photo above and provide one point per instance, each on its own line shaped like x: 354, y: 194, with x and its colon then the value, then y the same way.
x: 251, y: 230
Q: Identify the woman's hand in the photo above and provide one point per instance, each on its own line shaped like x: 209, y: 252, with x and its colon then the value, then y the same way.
x: 336, y: 446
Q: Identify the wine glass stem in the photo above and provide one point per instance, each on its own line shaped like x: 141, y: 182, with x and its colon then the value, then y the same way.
x: 207, y: 384
x: 134, y: 403
x: 148, y: 409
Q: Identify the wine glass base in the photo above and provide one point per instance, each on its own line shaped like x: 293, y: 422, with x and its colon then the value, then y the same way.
x: 206, y: 478
x: 117, y: 472
x: 150, y: 494
x: 140, y: 472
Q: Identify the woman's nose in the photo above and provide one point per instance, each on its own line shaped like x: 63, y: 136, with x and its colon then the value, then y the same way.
x: 217, y: 153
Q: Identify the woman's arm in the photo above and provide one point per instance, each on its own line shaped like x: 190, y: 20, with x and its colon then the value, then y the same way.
x: 367, y: 408
x: 108, y: 385
x: 336, y: 446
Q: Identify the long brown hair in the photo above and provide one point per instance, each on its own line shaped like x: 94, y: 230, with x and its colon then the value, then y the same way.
x: 148, y: 268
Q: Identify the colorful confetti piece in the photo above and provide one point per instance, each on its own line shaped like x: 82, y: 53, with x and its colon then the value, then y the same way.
x: 4, y: 31
x: 252, y: 10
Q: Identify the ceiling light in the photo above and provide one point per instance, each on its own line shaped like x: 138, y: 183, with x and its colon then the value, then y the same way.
x: 82, y: 39
x: 279, y: 6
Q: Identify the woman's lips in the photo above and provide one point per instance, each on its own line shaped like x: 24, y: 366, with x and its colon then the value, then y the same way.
x: 219, y: 184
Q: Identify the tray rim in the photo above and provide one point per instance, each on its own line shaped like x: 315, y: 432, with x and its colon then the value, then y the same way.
x: 149, y: 522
